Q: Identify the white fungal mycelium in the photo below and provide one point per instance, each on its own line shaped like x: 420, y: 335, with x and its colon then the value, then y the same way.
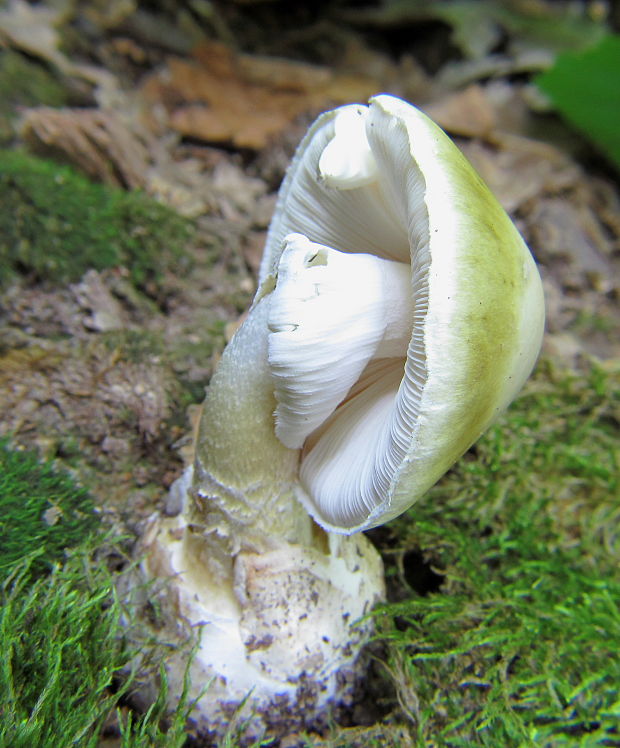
x: 398, y: 312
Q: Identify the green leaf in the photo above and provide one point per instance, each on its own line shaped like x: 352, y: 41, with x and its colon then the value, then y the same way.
x: 585, y: 89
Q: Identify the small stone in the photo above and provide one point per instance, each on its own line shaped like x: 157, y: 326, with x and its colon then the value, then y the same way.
x: 52, y: 515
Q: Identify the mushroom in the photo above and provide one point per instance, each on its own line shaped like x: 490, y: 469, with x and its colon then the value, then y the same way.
x: 398, y: 313
x: 407, y: 311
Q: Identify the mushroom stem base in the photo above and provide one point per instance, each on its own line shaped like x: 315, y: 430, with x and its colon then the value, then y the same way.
x: 280, y: 649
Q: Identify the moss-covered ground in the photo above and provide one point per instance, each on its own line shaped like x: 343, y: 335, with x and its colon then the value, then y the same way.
x: 23, y: 82
x: 513, y: 634
x: 63, y: 629
x: 55, y: 225
x: 42, y: 511
x: 503, y: 625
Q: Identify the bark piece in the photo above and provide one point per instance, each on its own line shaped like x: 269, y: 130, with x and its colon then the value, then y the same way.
x: 96, y: 141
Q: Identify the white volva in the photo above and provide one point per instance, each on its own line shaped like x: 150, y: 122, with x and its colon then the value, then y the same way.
x: 398, y: 313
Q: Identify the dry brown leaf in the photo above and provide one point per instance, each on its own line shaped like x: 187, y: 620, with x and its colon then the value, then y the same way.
x: 232, y: 125
x: 572, y: 242
x: 104, y: 312
x: 244, y: 100
x: 277, y: 73
x: 32, y: 29
x: 253, y: 249
x: 518, y: 169
x: 468, y: 113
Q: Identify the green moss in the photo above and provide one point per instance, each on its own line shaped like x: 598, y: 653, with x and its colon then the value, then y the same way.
x: 134, y: 345
x: 588, y: 323
x: 146, y: 731
x: 42, y: 511
x: 23, y: 83
x: 61, y: 649
x: 55, y: 225
x: 66, y: 662
x: 519, y: 646
x: 64, y: 633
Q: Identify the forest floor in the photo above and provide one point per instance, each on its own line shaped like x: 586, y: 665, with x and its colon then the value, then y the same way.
x: 103, y: 368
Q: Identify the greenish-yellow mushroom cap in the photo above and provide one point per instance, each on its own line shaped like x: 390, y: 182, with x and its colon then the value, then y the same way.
x: 407, y: 311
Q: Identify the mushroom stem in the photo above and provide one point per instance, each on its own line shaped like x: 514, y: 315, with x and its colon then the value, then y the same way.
x: 244, y: 476
x: 276, y: 599
x: 331, y: 313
